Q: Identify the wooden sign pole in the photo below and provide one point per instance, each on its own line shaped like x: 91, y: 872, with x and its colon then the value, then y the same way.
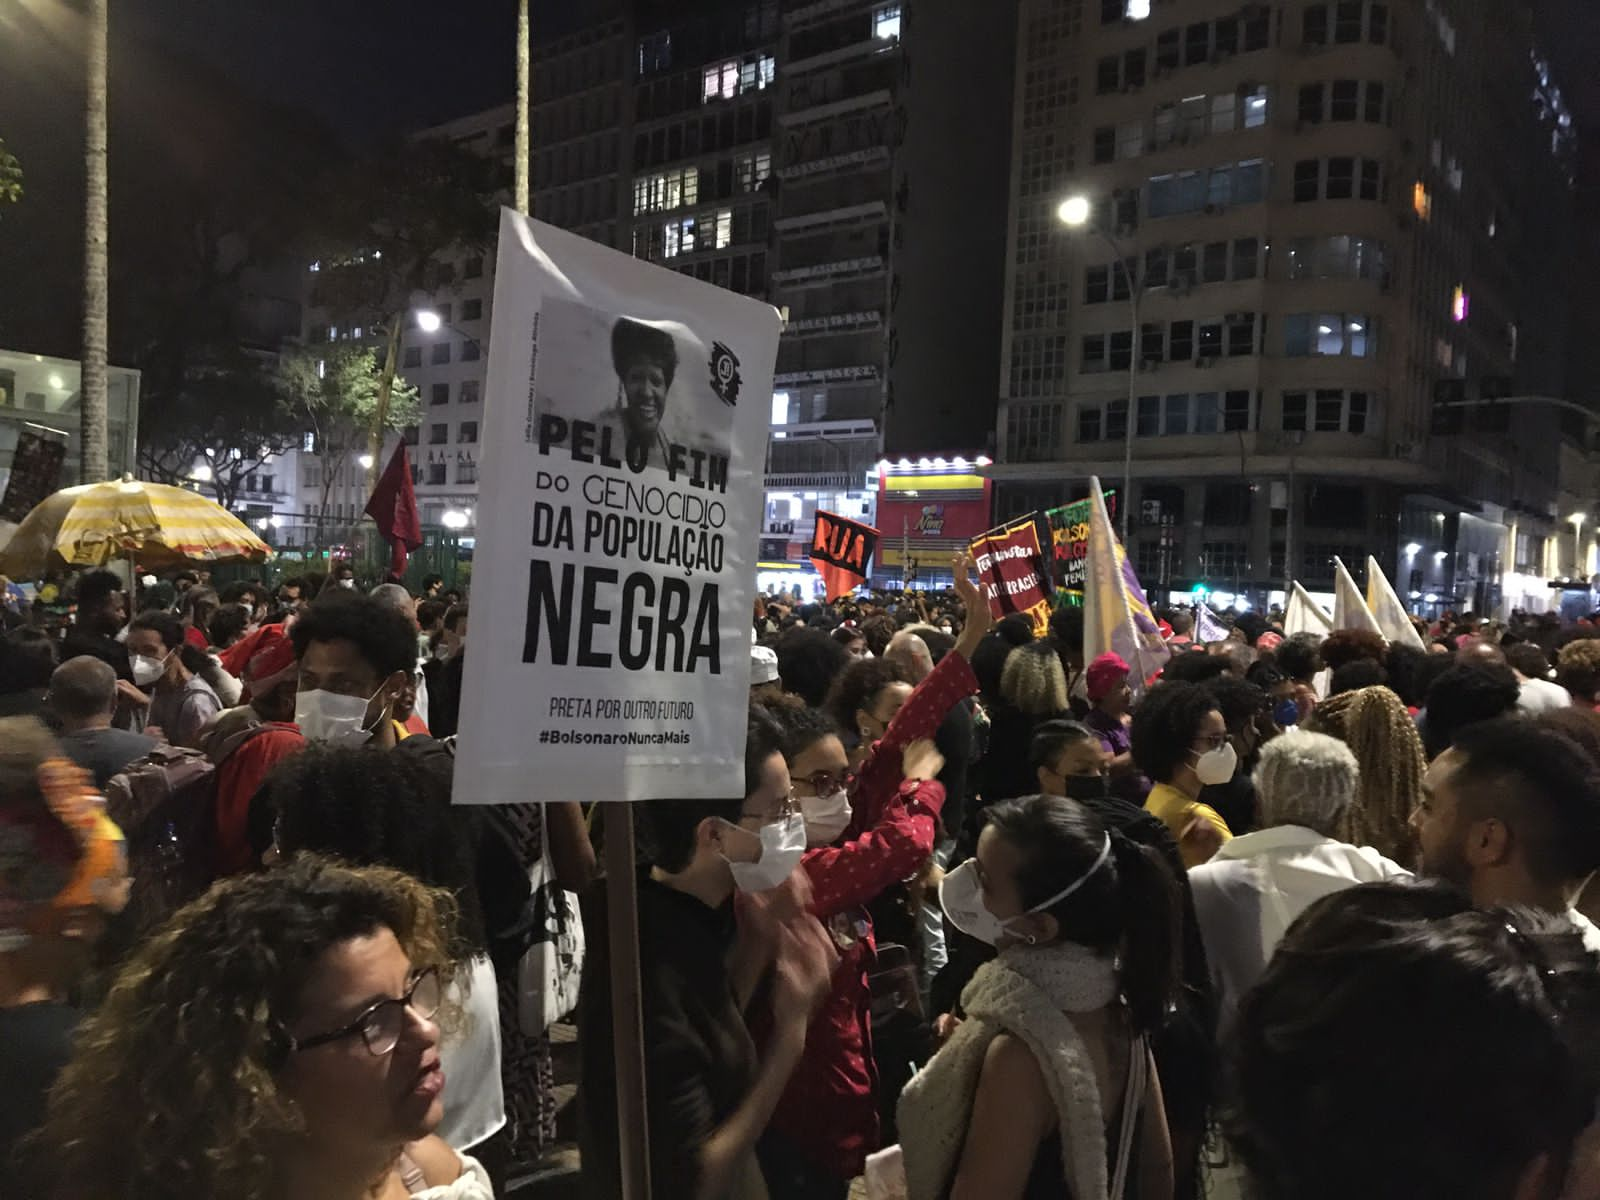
x: 627, y: 1020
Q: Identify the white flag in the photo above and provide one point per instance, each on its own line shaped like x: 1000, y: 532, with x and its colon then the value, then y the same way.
x: 1350, y: 611
x: 1116, y: 615
x: 1305, y: 615
x: 1208, y: 627
x: 1387, y: 610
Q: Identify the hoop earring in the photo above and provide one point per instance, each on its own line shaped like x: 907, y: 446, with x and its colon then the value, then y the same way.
x: 1030, y: 939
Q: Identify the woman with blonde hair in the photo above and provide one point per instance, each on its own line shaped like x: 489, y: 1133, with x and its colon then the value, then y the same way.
x: 1374, y: 723
x: 275, y: 1039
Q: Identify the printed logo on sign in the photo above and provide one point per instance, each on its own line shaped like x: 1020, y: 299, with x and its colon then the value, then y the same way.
x: 725, y: 373
x: 931, y: 521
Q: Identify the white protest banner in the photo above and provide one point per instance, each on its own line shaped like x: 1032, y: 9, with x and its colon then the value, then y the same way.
x: 620, y: 500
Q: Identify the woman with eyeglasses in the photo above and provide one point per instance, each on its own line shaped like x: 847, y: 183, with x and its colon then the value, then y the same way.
x: 1181, y: 742
x: 371, y: 808
x: 867, y: 831
x: 276, y: 1039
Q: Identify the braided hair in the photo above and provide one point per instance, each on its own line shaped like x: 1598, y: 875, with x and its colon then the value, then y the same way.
x: 1380, y: 732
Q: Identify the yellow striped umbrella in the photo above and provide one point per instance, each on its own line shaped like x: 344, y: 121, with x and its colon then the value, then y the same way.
x: 160, y: 526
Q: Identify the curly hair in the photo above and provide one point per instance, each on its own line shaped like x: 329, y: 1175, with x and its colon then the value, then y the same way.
x: 1165, y: 724
x: 858, y: 686
x: 809, y: 661
x: 1033, y: 682
x: 370, y: 807
x: 1464, y: 695
x: 172, y: 1090
x: 1578, y: 668
x: 385, y: 639
x: 1300, y: 656
x: 1380, y: 732
x: 1346, y: 645
x: 801, y: 727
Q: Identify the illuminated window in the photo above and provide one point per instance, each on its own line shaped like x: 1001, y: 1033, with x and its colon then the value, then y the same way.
x: 1421, y: 202
x: 721, y: 81
x: 724, y: 228
x: 780, y: 408
x: 662, y: 193
x: 886, y: 21
x: 1460, y: 303
x: 752, y: 170
x: 679, y: 237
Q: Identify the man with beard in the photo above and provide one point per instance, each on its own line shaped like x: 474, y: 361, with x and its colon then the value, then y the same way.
x: 1511, y: 813
x: 645, y: 359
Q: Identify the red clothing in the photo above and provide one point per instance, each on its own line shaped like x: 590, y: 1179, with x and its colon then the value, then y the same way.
x: 196, y: 639
x: 239, y: 777
x: 829, y: 1111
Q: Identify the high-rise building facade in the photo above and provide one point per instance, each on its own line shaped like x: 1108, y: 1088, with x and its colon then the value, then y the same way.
x: 1299, y: 224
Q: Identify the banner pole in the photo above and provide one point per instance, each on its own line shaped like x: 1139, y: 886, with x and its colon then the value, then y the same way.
x: 627, y: 1018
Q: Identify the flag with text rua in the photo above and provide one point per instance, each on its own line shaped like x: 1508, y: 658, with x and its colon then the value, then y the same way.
x: 842, y: 550
x: 393, y: 507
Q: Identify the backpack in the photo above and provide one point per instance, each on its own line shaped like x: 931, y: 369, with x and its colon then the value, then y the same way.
x: 165, y: 804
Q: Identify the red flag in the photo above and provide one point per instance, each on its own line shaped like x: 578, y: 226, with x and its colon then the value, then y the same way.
x: 841, y: 550
x: 394, y: 507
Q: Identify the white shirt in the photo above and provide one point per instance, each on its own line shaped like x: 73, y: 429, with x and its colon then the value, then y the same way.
x: 474, y: 1100
x: 1586, y: 930
x: 1251, y: 892
x: 1540, y: 695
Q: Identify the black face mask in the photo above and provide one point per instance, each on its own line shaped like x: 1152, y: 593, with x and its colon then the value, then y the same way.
x: 1087, y: 787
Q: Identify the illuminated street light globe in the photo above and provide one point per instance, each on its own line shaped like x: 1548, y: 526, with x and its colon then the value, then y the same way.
x: 454, y: 519
x: 1074, y: 211
x: 429, y: 321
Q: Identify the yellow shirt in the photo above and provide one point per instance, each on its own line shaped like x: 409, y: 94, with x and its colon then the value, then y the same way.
x: 1177, y: 812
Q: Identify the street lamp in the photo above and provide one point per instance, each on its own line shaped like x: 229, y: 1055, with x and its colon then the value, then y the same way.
x: 429, y: 321
x: 454, y: 519
x: 1577, y: 520
x: 366, y: 461
x: 1412, y: 548
x: 1074, y: 212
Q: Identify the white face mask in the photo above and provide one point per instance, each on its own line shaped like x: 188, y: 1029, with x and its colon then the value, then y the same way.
x: 782, y: 843
x: 325, y: 716
x: 1216, y: 767
x: 961, y: 897
x: 826, y: 817
x: 146, y: 670
x: 347, y: 583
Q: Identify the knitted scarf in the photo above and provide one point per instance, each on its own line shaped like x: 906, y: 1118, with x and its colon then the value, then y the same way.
x: 1025, y: 992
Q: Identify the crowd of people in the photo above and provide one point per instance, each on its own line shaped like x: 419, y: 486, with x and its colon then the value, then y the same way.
x: 992, y: 918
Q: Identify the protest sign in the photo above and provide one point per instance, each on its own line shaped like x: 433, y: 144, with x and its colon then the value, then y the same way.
x: 841, y: 550
x: 626, y: 424
x: 1069, y: 546
x: 1011, y: 570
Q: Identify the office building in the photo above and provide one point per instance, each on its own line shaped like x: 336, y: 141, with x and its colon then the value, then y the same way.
x: 1304, y: 222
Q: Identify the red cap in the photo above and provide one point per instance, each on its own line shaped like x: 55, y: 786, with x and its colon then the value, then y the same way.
x: 1104, y: 673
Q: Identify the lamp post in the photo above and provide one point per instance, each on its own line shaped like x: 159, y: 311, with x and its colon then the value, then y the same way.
x: 1577, y: 520
x: 1074, y: 213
